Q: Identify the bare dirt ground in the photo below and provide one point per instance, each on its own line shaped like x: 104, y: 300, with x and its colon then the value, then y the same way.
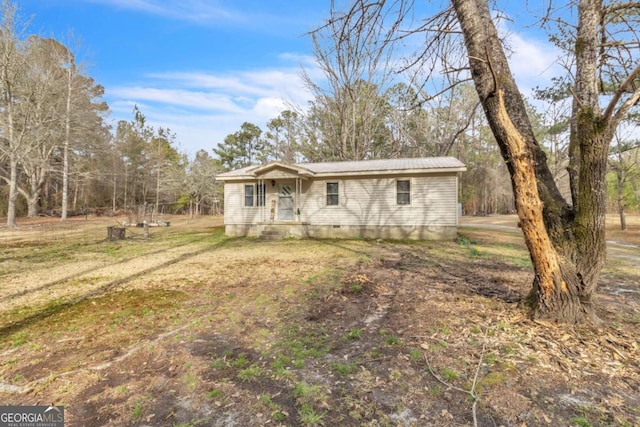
x: 190, y: 328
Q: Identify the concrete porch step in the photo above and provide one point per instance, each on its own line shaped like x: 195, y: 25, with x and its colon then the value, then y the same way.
x: 272, y: 234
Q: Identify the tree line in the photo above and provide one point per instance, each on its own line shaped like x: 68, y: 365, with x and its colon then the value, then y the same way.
x: 402, y: 124
x: 58, y: 154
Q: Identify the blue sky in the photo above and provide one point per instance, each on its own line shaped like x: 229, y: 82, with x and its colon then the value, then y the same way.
x: 203, y: 67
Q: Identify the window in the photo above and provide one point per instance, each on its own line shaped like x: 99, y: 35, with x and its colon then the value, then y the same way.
x: 248, y: 195
x: 261, y: 190
x: 332, y: 194
x: 403, y: 192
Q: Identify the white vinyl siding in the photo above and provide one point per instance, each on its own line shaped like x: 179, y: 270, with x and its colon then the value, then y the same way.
x: 373, y: 201
x: 235, y: 210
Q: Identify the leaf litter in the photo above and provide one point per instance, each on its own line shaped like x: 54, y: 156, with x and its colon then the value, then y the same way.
x: 358, y: 333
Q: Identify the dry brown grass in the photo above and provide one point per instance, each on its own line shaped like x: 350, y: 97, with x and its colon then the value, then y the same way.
x: 192, y: 328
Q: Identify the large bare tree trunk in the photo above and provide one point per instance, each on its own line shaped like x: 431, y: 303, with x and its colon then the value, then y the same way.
x: 66, y: 143
x: 33, y: 196
x: 13, y: 191
x: 566, y: 243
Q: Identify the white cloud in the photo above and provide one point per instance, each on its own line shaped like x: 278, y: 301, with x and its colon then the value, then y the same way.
x: 179, y: 97
x: 533, y: 62
x: 202, y: 108
x: 188, y: 10
x: 268, y: 108
x: 262, y: 16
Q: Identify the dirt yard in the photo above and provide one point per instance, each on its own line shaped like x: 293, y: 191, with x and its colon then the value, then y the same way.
x: 191, y: 328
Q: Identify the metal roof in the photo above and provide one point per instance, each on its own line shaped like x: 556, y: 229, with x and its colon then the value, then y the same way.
x: 360, y: 167
x: 387, y: 165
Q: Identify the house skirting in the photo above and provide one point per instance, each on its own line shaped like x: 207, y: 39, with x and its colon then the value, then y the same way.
x: 298, y: 230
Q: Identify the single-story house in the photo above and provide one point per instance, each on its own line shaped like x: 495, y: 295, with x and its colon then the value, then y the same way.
x: 389, y: 199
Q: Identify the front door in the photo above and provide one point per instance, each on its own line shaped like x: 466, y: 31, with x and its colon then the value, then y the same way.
x: 285, y: 202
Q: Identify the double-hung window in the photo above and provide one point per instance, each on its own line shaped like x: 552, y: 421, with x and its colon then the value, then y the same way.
x: 258, y: 192
x: 403, y: 192
x: 333, y: 194
x: 248, y: 195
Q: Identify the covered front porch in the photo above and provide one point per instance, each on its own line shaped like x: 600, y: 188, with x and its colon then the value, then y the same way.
x: 279, y: 193
x: 278, y: 200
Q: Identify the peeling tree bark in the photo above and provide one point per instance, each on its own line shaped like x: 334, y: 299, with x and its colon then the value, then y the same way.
x: 566, y: 243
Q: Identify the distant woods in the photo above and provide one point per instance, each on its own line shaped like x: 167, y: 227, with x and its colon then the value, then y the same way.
x: 60, y: 157
x: 370, y: 123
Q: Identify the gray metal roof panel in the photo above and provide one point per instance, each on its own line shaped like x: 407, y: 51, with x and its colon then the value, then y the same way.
x: 364, y: 166
x: 389, y: 165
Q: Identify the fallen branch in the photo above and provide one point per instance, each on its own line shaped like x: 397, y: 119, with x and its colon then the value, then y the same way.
x: 472, y: 392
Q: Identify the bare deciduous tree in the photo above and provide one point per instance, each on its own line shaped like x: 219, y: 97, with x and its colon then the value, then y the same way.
x: 12, y: 65
x: 349, y: 108
x: 566, y: 240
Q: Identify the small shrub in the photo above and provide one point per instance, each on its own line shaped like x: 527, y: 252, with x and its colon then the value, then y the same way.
x: 219, y: 363
x: 304, y: 390
x: 190, y: 380
x: 463, y: 240
x: 436, y: 391
x: 490, y: 359
x: 354, y: 334
x: 415, y: 355
x: 580, y: 421
x: 241, y: 361
x: 309, y: 417
x: 250, y: 373
x: 450, y: 374
x: 136, y: 412
x: 393, y: 340
x: 344, y: 368
x: 279, y: 415
x: 390, y: 338
x: 214, y: 394
x: 19, y: 339
x: 474, y: 252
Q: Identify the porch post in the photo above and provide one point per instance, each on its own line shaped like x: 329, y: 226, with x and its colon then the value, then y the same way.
x: 298, y: 193
x: 261, y: 187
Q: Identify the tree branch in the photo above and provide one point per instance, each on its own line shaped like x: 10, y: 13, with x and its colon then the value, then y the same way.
x: 609, y: 9
x: 449, y: 145
x: 618, y: 94
x: 471, y: 392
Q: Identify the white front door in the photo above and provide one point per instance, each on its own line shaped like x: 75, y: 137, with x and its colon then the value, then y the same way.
x: 285, y: 202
